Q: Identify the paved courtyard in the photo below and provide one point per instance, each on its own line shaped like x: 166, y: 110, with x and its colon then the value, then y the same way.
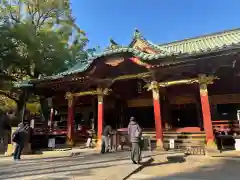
x: 116, y: 166
x: 85, y: 167
x: 198, y: 168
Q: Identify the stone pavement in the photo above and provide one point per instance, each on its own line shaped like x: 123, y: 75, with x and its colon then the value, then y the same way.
x: 227, y: 154
x: 53, y: 154
x: 192, y: 168
x: 110, y: 166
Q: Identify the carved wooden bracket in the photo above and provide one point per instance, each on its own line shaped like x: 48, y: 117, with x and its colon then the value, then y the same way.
x: 70, y: 98
x: 153, y: 85
x: 203, y: 79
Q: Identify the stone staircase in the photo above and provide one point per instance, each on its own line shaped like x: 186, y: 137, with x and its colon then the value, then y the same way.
x: 190, y: 142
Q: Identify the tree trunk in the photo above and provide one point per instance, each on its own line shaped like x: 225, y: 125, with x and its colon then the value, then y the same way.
x: 21, y: 104
x: 45, y: 110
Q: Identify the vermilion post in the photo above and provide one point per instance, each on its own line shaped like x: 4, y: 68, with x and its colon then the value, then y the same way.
x: 100, y: 118
x: 70, y: 121
x: 207, y: 121
x: 157, y: 117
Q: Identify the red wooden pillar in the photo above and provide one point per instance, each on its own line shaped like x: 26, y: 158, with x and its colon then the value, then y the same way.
x: 206, y: 114
x: 70, y: 120
x: 157, y: 115
x: 100, y: 119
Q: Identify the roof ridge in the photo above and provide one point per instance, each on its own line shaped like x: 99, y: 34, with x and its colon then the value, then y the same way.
x: 201, y: 36
x: 138, y: 36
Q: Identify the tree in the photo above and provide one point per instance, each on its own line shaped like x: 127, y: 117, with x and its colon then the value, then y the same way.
x: 40, y: 38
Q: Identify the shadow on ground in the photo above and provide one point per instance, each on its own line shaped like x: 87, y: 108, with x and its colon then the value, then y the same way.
x: 217, y: 170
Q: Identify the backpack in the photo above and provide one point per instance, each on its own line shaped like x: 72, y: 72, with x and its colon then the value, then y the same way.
x: 137, y: 133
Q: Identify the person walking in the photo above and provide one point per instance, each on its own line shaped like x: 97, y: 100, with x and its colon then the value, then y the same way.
x: 135, y: 133
x: 19, y: 137
x: 107, y: 132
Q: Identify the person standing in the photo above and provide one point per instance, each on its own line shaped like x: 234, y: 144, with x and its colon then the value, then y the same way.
x: 135, y: 133
x: 107, y: 131
x: 5, y: 129
x: 19, y: 137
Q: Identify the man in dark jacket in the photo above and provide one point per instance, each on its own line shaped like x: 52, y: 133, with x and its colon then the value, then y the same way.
x: 19, y: 137
x: 135, y: 133
x: 107, y: 131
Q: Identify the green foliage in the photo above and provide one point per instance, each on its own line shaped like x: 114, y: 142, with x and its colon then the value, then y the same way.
x: 53, y: 41
x: 6, y: 103
x: 38, y: 37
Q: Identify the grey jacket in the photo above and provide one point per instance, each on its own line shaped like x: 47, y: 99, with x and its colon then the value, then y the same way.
x: 132, y: 128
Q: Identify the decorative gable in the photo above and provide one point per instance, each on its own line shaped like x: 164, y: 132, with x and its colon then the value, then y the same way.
x: 140, y: 45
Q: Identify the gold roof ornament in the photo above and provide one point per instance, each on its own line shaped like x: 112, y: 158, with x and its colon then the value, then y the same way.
x: 137, y: 34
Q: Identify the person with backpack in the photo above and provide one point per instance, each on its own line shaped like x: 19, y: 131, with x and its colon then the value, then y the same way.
x: 19, y: 137
x: 135, y: 133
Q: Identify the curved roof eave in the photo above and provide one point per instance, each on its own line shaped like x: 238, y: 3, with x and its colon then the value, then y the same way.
x: 145, y: 57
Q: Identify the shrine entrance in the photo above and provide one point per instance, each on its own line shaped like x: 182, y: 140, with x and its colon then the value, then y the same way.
x: 183, y: 108
x: 132, y: 99
x: 184, y: 115
x: 144, y: 115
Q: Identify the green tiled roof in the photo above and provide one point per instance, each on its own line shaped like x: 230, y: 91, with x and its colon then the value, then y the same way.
x: 204, y: 43
x: 192, y: 46
x: 82, y: 67
x: 22, y: 84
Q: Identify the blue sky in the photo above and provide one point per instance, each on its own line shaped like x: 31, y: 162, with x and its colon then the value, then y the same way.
x: 158, y: 20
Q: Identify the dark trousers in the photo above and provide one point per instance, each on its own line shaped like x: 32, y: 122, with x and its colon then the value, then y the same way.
x: 105, y: 144
x: 18, y: 151
x: 136, y: 152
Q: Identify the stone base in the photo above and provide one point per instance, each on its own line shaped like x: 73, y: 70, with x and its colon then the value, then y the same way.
x: 211, y: 148
x: 159, y: 145
x: 94, y: 142
x: 69, y: 142
x: 98, y: 144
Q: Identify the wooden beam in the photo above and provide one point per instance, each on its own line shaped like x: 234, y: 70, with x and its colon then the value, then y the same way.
x: 98, y: 91
x: 132, y: 76
x: 202, y: 79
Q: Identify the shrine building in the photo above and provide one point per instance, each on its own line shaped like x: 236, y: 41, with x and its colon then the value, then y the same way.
x: 186, y: 90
